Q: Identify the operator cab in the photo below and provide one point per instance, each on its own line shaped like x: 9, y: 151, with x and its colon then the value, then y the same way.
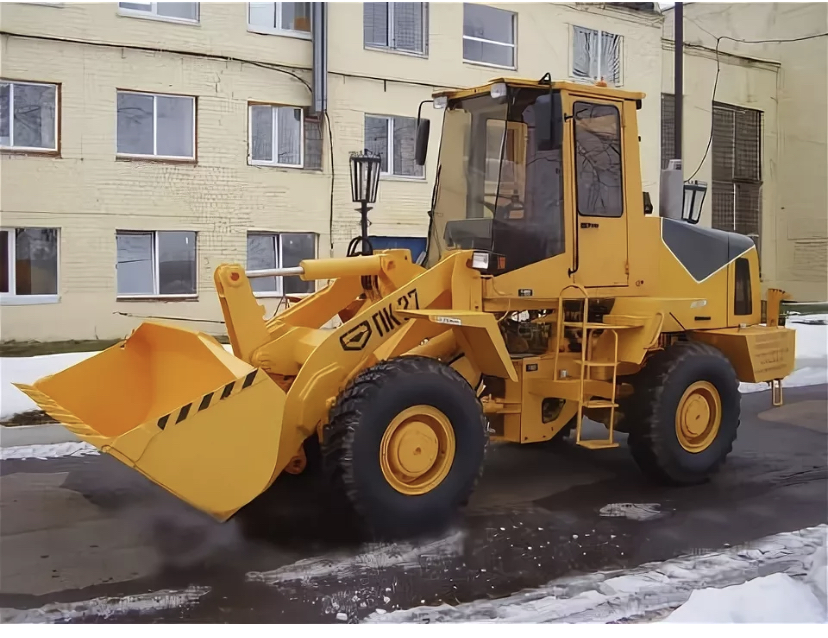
x: 503, y: 180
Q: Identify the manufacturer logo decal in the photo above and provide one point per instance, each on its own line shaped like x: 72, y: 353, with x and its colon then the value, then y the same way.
x: 383, y: 321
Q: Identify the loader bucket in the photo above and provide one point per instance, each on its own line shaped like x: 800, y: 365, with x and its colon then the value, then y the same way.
x: 180, y: 409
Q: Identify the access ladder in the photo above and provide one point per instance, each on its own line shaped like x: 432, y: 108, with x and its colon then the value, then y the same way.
x: 584, y: 329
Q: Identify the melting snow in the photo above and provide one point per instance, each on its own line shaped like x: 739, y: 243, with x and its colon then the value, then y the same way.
x: 652, y: 588
x: 104, y: 607
x: 47, y: 451
x: 633, y: 511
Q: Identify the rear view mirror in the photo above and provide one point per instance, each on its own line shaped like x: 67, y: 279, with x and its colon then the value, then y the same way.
x: 549, y: 121
x: 421, y: 144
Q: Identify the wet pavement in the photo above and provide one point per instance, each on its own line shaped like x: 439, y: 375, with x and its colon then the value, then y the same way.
x: 91, y: 529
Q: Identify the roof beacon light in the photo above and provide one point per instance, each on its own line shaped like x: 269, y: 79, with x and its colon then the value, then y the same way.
x: 498, y: 90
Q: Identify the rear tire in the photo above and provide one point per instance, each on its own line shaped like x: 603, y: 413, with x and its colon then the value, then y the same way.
x: 356, y: 446
x: 684, y: 413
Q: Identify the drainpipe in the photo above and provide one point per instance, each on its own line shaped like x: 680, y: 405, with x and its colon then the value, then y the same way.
x: 319, y: 37
x: 678, y: 76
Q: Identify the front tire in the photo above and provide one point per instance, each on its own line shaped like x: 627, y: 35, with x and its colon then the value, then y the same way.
x: 684, y: 413
x: 405, y: 446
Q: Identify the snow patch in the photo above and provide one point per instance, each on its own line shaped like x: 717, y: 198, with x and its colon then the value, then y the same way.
x: 28, y: 370
x: 372, y: 557
x: 48, y: 451
x: 774, y: 598
x: 652, y: 588
x: 633, y: 511
x: 104, y: 607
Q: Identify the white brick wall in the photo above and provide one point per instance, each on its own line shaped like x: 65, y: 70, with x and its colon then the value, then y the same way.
x: 88, y: 193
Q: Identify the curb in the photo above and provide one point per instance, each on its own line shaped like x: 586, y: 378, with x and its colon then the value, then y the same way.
x: 46, y: 434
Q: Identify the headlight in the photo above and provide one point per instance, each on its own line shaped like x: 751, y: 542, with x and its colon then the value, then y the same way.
x: 498, y: 90
x: 480, y: 261
x: 440, y: 102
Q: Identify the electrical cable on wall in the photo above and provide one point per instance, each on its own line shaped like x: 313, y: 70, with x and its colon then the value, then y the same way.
x: 719, y: 39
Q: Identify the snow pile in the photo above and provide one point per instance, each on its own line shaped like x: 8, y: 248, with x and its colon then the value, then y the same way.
x: 28, y: 370
x: 811, y: 367
x: 774, y: 598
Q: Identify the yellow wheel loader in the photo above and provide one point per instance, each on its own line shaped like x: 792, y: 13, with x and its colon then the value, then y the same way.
x: 551, y: 291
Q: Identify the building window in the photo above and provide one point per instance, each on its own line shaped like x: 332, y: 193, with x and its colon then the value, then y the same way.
x: 156, y: 264
x: 392, y: 138
x: 489, y: 35
x: 279, y: 250
x: 598, y: 177
x: 276, y: 135
x: 398, y: 26
x: 176, y: 11
x: 736, y: 151
x: 28, y: 116
x: 280, y: 18
x: 160, y: 126
x: 28, y: 265
x: 313, y: 144
x: 596, y: 55
x: 668, y: 128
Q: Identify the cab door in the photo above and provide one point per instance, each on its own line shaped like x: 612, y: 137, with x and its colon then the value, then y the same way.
x: 596, y: 189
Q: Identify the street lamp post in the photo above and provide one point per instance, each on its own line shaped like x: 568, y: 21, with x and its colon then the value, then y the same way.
x: 365, y: 172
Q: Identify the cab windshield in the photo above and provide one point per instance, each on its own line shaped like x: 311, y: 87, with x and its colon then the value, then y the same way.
x: 500, y: 186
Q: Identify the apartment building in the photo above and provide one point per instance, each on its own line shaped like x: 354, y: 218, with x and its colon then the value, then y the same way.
x: 142, y: 144
x: 755, y: 129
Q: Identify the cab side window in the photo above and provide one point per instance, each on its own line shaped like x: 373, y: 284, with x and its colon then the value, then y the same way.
x: 598, y: 176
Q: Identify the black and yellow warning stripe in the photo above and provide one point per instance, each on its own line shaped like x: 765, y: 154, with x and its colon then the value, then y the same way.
x: 234, y: 387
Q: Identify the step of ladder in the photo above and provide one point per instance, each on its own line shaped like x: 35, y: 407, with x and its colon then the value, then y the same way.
x: 598, y: 444
x: 598, y: 326
x: 600, y: 403
x: 596, y: 364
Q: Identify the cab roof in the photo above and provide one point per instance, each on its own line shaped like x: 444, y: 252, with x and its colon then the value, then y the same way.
x: 595, y: 90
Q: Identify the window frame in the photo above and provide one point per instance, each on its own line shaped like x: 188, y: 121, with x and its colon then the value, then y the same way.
x: 277, y: 30
x: 154, y: 157
x: 280, y: 287
x: 600, y: 32
x: 513, y: 66
x: 152, y: 14
x: 155, y: 268
x: 621, y: 173
x: 33, y: 149
x: 11, y: 298
x: 389, y: 148
x: 274, y: 136
x: 393, y: 49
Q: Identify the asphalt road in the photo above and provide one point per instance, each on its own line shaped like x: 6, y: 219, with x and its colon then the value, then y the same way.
x: 90, y: 529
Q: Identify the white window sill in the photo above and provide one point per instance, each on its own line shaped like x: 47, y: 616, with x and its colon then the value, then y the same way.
x: 28, y: 300
x: 29, y: 149
x: 156, y: 297
x: 143, y: 15
x: 156, y: 158
x: 302, y: 35
x: 388, y: 177
x: 489, y: 65
x: 274, y: 164
x: 410, y: 54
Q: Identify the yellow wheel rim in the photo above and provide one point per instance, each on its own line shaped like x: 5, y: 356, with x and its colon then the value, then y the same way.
x: 417, y: 450
x: 698, y: 417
